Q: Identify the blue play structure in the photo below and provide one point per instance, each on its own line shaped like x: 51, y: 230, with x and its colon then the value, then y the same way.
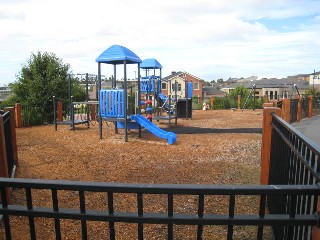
x: 147, y: 84
x: 113, y: 103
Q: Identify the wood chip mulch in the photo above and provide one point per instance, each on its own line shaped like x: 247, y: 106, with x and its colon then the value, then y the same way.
x: 214, y: 147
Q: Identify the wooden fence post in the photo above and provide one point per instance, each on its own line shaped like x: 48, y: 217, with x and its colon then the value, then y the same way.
x: 3, y: 157
x: 239, y: 101
x: 285, y: 110
x: 310, y: 106
x: 266, y: 142
x: 18, y: 115
x: 212, y: 102
x: 59, y: 111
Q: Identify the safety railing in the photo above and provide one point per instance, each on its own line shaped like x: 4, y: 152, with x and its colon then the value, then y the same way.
x: 113, y: 213
x: 293, y: 161
x: 8, y: 147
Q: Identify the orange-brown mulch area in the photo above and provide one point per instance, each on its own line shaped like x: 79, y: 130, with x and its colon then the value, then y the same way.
x: 214, y: 147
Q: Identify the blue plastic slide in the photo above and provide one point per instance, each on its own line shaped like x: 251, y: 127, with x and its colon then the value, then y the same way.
x: 170, y: 136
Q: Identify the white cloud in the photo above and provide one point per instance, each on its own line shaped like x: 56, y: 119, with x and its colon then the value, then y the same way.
x: 209, y: 39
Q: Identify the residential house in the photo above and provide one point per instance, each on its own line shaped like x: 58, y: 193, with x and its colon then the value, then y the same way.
x: 5, y: 92
x: 181, y: 80
x: 212, y: 91
x: 314, y: 80
x: 274, y: 88
x: 230, y: 81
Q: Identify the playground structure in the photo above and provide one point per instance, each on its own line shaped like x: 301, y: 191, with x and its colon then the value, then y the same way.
x: 160, y: 106
x: 279, y: 199
x: 71, y: 117
x: 113, y: 103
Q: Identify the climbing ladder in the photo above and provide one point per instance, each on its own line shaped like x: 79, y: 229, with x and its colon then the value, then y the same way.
x: 253, y: 90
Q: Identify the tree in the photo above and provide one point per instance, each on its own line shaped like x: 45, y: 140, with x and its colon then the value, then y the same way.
x: 220, y: 80
x: 42, y: 77
x: 240, y: 90
x: 311, y: 92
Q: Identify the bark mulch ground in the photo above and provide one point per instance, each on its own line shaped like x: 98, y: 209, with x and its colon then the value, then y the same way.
x: 214, y: 147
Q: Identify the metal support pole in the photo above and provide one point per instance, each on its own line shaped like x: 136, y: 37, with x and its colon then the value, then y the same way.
x: 187, y: 99
x: 72, y: 114
x: 139, y: 98
x: 254, y: 97
x: 125, y: 103
x: 55, y: 113
x: 99, y: 88
x: 175, y: 101
x: 114, y: 80
x: 87, y: 99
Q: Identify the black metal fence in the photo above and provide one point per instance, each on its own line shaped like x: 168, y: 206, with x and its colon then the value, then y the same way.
x: 316, y: 105
x: 293, y: 110
x: 8, y: 143
x: 227, y: 102
x: 288, y: 204
x: 170, y: 217
x: 294, y: 161
x: 304, y: 107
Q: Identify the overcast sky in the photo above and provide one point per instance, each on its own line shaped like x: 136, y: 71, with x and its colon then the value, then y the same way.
x: 210, y: 39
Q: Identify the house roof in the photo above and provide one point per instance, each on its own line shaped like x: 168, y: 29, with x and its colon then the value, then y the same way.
x: 212, y: 91
x: 172, y: 75
x: 272, y: 83
x: 117, y: 54
x: 231, y: 80
x: 179, y: 73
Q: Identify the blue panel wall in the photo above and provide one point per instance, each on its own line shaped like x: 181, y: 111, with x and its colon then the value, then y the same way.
x: 112, y: 103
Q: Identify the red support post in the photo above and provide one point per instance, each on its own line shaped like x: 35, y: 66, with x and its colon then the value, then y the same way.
x: 93, y: 112
x: 285, y: 111
x: 310, y: 106
x: 59, y: 111
x: 18, y: 115
x: 212, y: 102
x: 266, y: 142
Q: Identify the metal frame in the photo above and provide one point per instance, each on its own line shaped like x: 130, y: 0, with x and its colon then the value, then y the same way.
x: 140, y: 217
x: 294, y: 160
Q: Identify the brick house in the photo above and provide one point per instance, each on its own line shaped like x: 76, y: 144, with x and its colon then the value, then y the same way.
x: 181, y: 79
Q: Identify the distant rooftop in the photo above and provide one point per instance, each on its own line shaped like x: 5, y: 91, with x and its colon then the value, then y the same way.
x: 272, y: 82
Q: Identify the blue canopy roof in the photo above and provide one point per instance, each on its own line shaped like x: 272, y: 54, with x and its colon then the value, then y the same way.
x: 150, y: 63
x: 117, y: 54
